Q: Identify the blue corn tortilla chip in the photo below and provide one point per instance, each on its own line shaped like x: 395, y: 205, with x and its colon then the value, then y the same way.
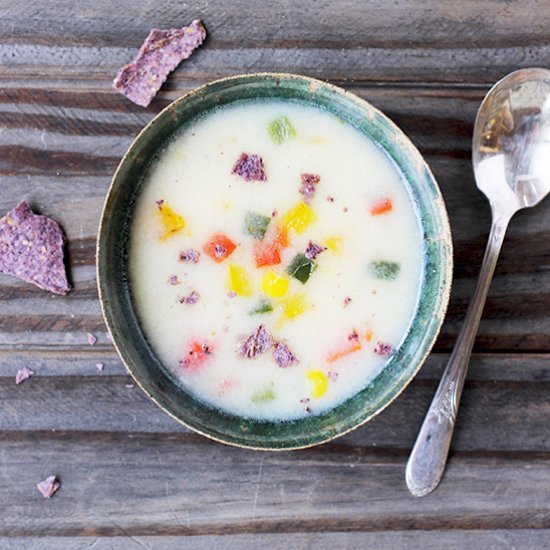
x: 49, y: 486
x: 309, y: 183
x: 313, y: 250
x: 258, y: 342
x: 283, y: 356
x: 250, y: 167
x: 31, y: 249
x: 162, y: 51
x: 23, y: 374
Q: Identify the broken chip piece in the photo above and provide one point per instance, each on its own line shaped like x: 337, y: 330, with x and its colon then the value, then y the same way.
x: 309, y: 183
x: 189, y: 255
x: 250, y: 167
x: 383, y: 349
x: 258, y: 342
x: 191, y: 298
x: 313, y: 250
x: 31, y: 248
x: 283, y: 356
x: 23, y: 374
x: 49, y: 486
x: 162, y: 51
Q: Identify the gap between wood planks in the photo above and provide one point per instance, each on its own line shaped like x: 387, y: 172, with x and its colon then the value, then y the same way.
x: 62, y: 360
x: 100, y: 83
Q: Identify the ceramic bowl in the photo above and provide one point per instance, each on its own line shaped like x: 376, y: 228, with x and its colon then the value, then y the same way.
x: 115, y: 294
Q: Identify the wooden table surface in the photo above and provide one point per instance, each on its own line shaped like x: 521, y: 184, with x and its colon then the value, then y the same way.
x: 131, y: 476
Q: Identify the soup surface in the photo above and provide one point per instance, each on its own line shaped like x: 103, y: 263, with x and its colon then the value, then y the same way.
x: 275, y: 259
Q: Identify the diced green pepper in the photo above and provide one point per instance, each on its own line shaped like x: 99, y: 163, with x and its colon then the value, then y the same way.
x: 256, y: 224
x: 385, y: 270
x: 263, y: 307
x: 280, y: 129
x: 301, y: 268
x: 263, y: 396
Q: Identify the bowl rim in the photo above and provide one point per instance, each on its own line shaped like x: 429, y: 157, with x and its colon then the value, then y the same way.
x: 445, y: 238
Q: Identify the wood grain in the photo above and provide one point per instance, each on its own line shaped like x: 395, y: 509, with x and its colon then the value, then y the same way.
x: 68, y: 393
x: 382, y: 540
x: 166, y: 486
x: 492, y: 419
x: 131, y: 476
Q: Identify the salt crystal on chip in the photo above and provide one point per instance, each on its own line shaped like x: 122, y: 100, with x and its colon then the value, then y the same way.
x: 31, y: 248
x: 92, y: 339
x: 162, y: 51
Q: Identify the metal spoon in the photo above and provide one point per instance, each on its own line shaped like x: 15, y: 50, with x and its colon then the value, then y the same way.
x: 511, y: 159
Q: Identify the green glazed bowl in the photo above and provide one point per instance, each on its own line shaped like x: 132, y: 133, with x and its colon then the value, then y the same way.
x: 115, y: 295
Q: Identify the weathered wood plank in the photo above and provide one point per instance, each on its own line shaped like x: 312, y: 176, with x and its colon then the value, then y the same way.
x: 472, y: 41
x: 439, y: 121
x: 40, y: 65
x: 502, y: 396
x: 321, y: 23
x: 532, y: 539
x: 80, y: 361
x: 139, y: 485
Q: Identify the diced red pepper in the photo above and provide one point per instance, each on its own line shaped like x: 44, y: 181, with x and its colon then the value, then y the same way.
x: 350, y: 347
x: 267, y: 254
x: 197, y: 355
x: 381, y: 207
x: 268, y: 251
x: 219, y: 247
x: 352, y: 344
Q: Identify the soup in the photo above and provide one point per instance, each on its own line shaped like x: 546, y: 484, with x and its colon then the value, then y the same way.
x: 275, y: 259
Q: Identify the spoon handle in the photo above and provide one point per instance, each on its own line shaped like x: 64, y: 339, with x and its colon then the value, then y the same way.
x: 429, y: 455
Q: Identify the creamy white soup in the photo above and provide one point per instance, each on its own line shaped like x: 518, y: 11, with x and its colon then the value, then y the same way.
x: 275, y: 259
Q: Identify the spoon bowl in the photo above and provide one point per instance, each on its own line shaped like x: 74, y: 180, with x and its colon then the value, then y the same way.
x: 511, y: 142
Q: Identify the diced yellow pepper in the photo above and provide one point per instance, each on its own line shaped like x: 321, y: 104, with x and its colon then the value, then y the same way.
x: 275, y: 285
x: 239, y: 281
x: 294, y: 305
x: 316, y: 140
x: 173, y: 223
x: 319, y: 382
x: 299, y: 218
x: 333, y: 243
